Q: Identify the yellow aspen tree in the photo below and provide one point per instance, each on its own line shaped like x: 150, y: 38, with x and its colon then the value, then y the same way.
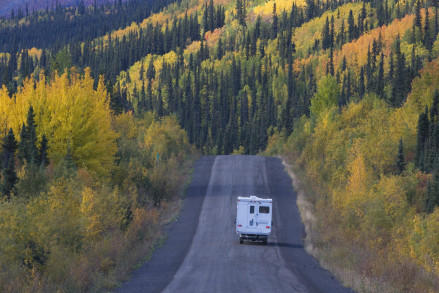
x: 5, y: 108
x: 71, y: 114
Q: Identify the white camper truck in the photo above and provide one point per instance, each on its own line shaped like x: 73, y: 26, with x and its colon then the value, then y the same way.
x: 253, y: 218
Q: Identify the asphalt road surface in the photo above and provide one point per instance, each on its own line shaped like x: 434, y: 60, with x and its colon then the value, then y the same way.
x: 202, y: 251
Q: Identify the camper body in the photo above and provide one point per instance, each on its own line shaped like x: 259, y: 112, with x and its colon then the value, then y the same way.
x: 254, y: 218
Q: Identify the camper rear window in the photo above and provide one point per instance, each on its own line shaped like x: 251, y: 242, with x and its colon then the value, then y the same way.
x: 264, y: 210
x: 252, y: 209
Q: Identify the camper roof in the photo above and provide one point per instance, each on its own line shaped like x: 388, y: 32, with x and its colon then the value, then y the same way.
x: 254, y: 198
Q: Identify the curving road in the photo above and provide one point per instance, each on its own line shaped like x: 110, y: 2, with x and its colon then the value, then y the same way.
x: 202, y: 252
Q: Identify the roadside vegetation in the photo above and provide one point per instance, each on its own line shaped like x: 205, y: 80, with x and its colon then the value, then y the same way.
x: 98, y: 131
x: 369, y: 175
x: 84, y: 195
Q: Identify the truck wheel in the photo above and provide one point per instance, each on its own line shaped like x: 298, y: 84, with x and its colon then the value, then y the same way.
x: 241, y: 241
x: 264, y: 241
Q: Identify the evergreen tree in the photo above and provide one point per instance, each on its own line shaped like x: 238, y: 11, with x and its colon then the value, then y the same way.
x: 22, y: 146
x: 418, y: 21
x: 428, y: 42
x: 9, y: 179
x: 211, y: 16
x: 361, y: 87
x: 150, y: 73
x: 364, y: 11
x: 43, y: 160
x: 219, y: 50
x: 331, y: 62
x: 399, y: 83
x: 432, y: 196
x: 325, y: 35
x: 343, y: 64
x: 380, y: 78
x: 9, y: 147
x: 341, y: 34
x: 351, y: 27
x: 274, y: 25
x: 391, y: 67
x: 331, y: 34
x: 400, y: 161
x: 310, y: 9
x: 360, y: 25
x: 436, y: 19
x: 32, y: 150
x: 240, y: 12
x: 422, y: 137
x: 141, y: 71
x: 205, y: 18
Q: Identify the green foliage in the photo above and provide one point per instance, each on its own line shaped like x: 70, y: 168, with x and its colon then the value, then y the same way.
x: 400, y: 161
x: 327, y: 96
x: 233, y: 79
x: 9, y: 176
x: 61, y: 61
x: 432, y: 194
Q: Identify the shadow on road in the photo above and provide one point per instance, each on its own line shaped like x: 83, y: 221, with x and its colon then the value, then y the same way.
x: 275, y: 244
x: 287, y: 245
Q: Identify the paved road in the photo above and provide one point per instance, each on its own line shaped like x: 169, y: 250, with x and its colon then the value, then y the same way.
x: 202, y: 252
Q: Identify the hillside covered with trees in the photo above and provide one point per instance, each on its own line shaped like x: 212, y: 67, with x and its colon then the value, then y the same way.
x: 346, y: 90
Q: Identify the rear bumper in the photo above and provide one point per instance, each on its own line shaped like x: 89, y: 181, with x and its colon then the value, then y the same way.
x: 253, y: 236
x: 241, y: 231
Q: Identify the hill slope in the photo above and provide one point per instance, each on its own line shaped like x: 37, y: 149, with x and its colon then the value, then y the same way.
x: 338, y: 86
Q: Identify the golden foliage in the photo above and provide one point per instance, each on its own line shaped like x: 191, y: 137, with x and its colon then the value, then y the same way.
x: 350, y: 155
x: 266, y: 9
x: 165, y: 138
x: 70, y: 113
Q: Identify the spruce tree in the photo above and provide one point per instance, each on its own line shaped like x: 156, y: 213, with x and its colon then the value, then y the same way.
x: 9, y: 179
x: 325, y: 35
x: 9, y: 147
x: 380, y: 78
x: 427, y: 33
x: 205, y: 18
x: 219, y: 52
x: 43, y: 160
x: 351, y: 26
x: 360, y: 25
x: 310, y: 9
x: 331, y: 34
x: 391, y: 67
x: 418, y: 21
x: 399, y: 83
x: 211, y: 16
x: 400, y: 161
x: 240, y: 14
x: 150, y: 73
x: 274, y: 25
x: 141, y: 71
x: 421, y: 139
x: 432, y: 195
x: 331, y: 61
x: 436, y: 19
x: 361, y: 87
x: 22, y: 146
x: 341, y: 34
x: 31, y: 136
x: 364, y: 11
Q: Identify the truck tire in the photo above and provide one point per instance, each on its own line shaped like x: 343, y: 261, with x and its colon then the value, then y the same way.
x: 241, y: 241
x: 264, y: 241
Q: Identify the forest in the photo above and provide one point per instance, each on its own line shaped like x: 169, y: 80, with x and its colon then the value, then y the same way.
x: 346, y: 91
